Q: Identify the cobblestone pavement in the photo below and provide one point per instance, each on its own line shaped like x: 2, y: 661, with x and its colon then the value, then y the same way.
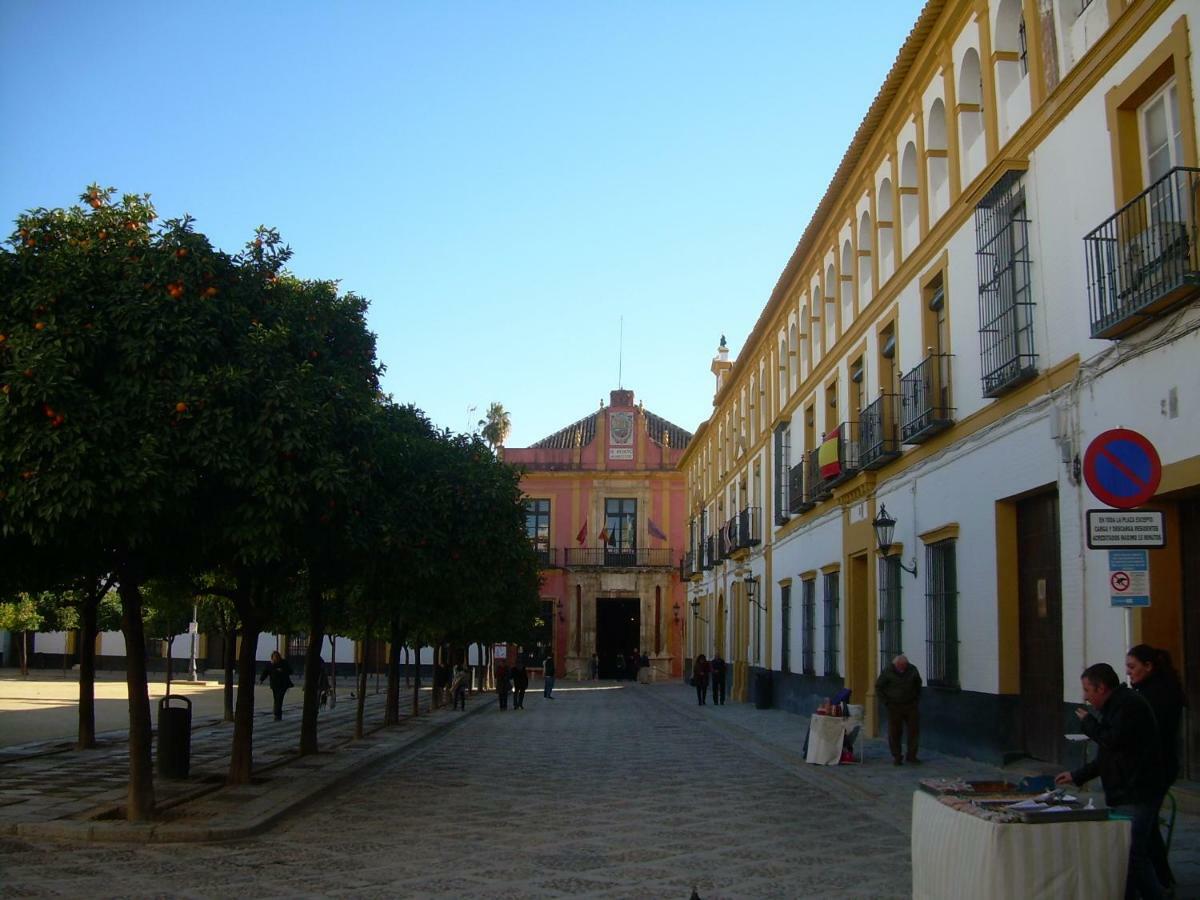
x: 602, y: 792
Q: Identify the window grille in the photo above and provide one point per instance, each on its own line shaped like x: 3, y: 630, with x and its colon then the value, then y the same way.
x: 941, y: 600
x: 785, y: 652
x: 808, y: 628
x: 832, y: 639
x: 297, y: 646
x: 783, y: 449
x: 1006, y: 304
x: 890, y: 620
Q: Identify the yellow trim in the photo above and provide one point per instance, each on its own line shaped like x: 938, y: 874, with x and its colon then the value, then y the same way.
x: 922, y: 174
x: 785, y: 582
x: 831, y: 568
x: 910, y: 192
x: 1166, y: 61
x: 808, y: 575
x: 936, y: 154
x: 944, y: 533
x: 1008, y: 606
x: 1007, y: 55
x: 1033, y: 53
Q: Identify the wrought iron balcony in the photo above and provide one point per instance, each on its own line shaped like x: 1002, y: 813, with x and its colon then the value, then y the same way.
x: 710, y: 552
x: 798, y: 501
x: 547, y: 557
x: 619, y: 557
x: 726, y: 538
x: 746, y: 528
x: 847, y: 457
x: 687, y: 565
x: 878, y: 433
x: 816, y: 488
x: 1144, y: 259
x: 925, y: 400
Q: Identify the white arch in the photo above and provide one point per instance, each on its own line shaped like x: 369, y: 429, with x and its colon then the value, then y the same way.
x: 849, y: 294
x: 1012, y: 79
x: 865, y: 248
x: 938, y: 166
x: 793, y: 368
x: 805, y: 340
x: 884, y: 204
x: 831, y: 301
x: 910, y: 216
x: 972, y: 148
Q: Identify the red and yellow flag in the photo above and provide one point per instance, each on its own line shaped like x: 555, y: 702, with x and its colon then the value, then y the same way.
x: 829, y: 457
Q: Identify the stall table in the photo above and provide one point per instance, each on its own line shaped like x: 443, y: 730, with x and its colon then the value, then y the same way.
x: 826, y: 735
x: 957, y: 855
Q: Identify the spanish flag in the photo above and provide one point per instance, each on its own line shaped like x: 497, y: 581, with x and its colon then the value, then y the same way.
x: 829, y: 457
x: 582, y: 536
x: 603, y: 535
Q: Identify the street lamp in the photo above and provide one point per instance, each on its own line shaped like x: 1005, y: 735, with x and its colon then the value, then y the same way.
x: 695, y: 604
x: 885, y: 527
x: 752, y: 592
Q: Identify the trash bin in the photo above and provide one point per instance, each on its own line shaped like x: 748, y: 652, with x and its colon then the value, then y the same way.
x: 174, y: 737
x: 762, y: 690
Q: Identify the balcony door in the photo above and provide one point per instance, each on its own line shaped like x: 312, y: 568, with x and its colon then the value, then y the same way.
x: 620, y: 521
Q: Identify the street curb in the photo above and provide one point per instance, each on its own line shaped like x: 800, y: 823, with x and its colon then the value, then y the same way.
x: 343, y: 766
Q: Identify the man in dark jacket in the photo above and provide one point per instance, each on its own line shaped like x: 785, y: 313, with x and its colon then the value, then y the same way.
x: 280, y: 674
x: 717, y: 664
x: 899, y: 687
x: 1129, y: 763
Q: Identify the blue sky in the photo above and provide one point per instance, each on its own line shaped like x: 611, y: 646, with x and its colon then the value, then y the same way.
x: 502, y: 180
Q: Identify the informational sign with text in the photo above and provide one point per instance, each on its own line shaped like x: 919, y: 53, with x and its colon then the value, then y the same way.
x: 1129, y: 577
x: 1118, y: 529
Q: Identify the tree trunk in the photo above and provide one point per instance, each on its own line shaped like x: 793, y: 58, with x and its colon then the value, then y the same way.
x: 230, y: 654
x: 416, y: 691
x: 25, y: 653
x: 88, y: 615
x: 312, y: 672
x: 333, y: 671
x: 241, y: 754
x: 362, y: 699
x: 170, y: 642
x: 391, y: 703
x: 140, y: 804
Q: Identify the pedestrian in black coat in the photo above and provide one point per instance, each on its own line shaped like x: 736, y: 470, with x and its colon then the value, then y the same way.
x: 520, y: 682
x: 503, y: 685
x: 280, y: 675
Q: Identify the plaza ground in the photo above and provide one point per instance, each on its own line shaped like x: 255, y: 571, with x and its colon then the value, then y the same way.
x: 605, y: 791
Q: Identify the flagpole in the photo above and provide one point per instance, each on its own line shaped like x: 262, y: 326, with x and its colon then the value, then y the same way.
x: 621, y: 355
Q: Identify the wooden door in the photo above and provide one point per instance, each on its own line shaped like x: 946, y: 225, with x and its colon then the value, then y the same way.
x: 1189, y: 666
x: 1039, y: 586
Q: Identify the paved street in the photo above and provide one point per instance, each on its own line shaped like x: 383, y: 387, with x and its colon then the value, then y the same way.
x: 603, y: 792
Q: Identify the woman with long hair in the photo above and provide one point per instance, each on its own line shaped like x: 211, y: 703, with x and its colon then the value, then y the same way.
x: 1152, y: 675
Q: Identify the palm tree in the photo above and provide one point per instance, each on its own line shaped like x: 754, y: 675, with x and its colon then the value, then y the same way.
x: 496, y: 426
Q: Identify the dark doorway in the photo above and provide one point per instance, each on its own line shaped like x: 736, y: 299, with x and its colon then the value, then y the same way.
x: 1189, y: 550
x: 618, y: 625
x: 1039, y: 588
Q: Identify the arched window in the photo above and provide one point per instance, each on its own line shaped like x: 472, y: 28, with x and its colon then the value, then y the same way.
x: 1011, y: 69
x: 804, y: 341
x: 938, y: 163
x: 783, y: 370
x: 866, y: 287
x: 884, y: 205
x: 910, y: 200
x: 816, y: 315
x: 972, y: 147
x: 831, y: 312
x: 849, y: 298
x: 793, y: 366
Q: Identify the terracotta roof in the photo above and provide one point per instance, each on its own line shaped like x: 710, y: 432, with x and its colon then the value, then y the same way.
x: 657, y: 427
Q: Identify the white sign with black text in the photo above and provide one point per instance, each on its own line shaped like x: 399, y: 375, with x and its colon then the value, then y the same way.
x: 1116, y: 529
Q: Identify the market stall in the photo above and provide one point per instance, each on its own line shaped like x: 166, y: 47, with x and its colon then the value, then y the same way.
x: 984, y: 844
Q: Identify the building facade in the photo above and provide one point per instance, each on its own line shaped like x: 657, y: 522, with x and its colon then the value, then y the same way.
x: 605, y: 511
x: 1003, y: 268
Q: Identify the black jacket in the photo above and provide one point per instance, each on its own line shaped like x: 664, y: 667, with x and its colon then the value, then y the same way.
x: 280, y: 675
x: 1129, y: 761
x: 897, y: 688
x: 1166, y: 699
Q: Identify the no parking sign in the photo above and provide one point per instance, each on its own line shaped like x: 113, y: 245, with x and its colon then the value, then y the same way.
x: 1122, y: 468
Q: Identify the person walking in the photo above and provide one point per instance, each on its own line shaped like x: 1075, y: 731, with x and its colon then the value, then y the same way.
x: 718, y: 679
x: 458, y: 688
x: 635, y: 664
x: 620, y: 666
x: 548, y: 677
x: 700, y: 674
x: 280, y: 674
x: 899, y: 687
x: 1152, y: 675
x: 503, y: 685
x: 594, y: 667
x: 1129, y: 763
x: 520, y: 683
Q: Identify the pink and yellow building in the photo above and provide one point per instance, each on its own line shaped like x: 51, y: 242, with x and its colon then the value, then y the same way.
x: 606, y: 510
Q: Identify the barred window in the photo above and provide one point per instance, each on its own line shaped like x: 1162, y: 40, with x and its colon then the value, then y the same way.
x: 1006, y: 304
x: 785, y: 652
x: 890, y: 620
x: 783, y: 451
x: 808, y: 631
x: 832, y: 637
x: 941, y: 600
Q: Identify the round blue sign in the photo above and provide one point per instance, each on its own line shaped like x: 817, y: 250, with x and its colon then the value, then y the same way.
x: 1122, y: 468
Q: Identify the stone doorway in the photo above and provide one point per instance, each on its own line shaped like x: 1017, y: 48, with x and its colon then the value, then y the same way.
x: 618, y: 630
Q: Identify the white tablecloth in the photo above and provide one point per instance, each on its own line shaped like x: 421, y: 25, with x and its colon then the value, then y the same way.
x: 825, y: 735
x: 956, y: 855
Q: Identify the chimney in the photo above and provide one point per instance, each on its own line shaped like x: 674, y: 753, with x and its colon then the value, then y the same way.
x: 620, y: 398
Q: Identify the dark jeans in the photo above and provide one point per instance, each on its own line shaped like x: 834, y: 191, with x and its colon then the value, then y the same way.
x: 1141, y: 880
x: 278, y: 695
x: 718, y: 685
x: 1157, y: 850
x: 503, y: 699
x: 460, y: 696
x: 907, y: 717
x: 701, y: 691
x: 519, y: 698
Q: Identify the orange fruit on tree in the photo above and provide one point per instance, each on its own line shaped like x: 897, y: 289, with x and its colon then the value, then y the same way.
x: 181, y: 407
x: 39, y: 326
x: 181, y: 252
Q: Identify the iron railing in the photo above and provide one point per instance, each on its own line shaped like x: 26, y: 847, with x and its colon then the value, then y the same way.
x: 878, y: 436
x: 709, y: 551
x: 546, y: 556
x: 816, y: 487
x: 747, y: 528
x: 798, y: 501
x: 1144, y: 259
x: 847, y: 447
x: 925, y: 400
x: 687, y: 565
x: 620, y: 557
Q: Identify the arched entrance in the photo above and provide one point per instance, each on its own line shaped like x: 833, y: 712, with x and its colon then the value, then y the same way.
x: 618, y: 629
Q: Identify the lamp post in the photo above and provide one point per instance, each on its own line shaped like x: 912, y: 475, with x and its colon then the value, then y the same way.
x: 193, y: 627
x: 885, y: 527
x: 752, y: 592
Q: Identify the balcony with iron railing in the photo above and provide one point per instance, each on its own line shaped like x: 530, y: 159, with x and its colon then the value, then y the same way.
x: 925, y: 400
x: 619, y: 557
x: 709, y: 550
x: 1143, y: 260
x: 725, y: 538
x: 798, y: 501
x: 547, y: 557
x: 847, y: 455
x: 687, y: 565
x: 878, y: 433
x: 746, y: 528
x: 816, y: 488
